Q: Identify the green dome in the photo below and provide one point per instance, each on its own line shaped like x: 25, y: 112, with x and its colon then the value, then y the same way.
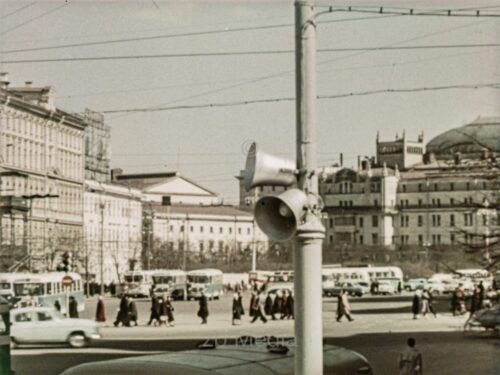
x: 483, y: 133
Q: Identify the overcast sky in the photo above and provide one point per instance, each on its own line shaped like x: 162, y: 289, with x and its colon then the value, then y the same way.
x: 208, y: 143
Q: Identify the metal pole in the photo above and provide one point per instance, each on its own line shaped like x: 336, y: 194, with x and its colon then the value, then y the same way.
x: 254, y: 248
x: 307, y: 250
x: 102, y: 205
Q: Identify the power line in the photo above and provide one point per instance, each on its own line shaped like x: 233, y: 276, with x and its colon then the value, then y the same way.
x: 288, y: 99
x: 34, y: 18
x: 18, y: 10
x: 179, y: 35
x: 246, y: 53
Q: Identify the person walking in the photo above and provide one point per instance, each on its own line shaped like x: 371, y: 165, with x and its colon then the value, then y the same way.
x: 73, y: 307
x: 259, y: 306
x: 132, y: 313
x: 268, y: 305
x: 425, y: 303
x: 203, y: 308
x: 429, y: 298
x: 410, y: 360
x: 57, y: 305
x: 475, y: 305
x: 290, y: 305
x: 122, y: 316
x: 238, y: 311
x: 100, y: 315
x: 154, y: 317
x: 252, y: 304
x: 343, y: 307
x: 169, y: 309
x: 416, y: 304
x: 277, y: 306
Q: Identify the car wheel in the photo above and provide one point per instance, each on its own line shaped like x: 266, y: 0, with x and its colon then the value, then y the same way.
x: 77, y: 340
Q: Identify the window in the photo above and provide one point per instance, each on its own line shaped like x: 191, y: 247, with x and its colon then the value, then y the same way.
x: 330, y: 239
x: 468, y: 220
x: 202, y: 246
x: 375, y: 203
x: 374, y: 221
x: 211, y: 229
x: 467, y: 186
x: 248, y: 230
x: 361, y: 239
x: 485, y: 220
x: 420, y: 220
x: 452, y: 186
x: 239, y: 230
x: 191, y: 229
x: 436, y: 188
x: 230, y: 230
x: 43, y: 316
x: 375, y: 238
x: 419, y: 187
x: 420, y: 239
x: 201, y: 229
x: 452, y: 220
x: 452, y: 201
x: 452, y: 238
x: 182, y: 228
x: 221, y: 230
x: 436, y: 220
x: 23, y: 317
x: 420, y: 203
x: 361, y: 222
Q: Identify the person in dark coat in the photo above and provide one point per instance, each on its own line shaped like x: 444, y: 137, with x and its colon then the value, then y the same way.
x: 416, y: 304
x: 169, y: 309
x: 290, y: 302
x: 277, y: 307
x: 132, y: 312
x: 238, y: 310
x: 252, y: 303
x: 57, y: 305
x: 100, y: 315
x: 268, y: 306
x: 155, y: 311
x: 203, y: 308
x: 475, y: 305
x: 122, y: 316
x: 284, y: 300
x: 73, y: 307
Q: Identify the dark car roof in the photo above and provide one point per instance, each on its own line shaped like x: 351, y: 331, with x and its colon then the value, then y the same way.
x: 224, y: 360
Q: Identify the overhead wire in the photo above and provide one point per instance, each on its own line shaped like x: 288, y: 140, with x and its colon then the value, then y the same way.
x: 17, y: 10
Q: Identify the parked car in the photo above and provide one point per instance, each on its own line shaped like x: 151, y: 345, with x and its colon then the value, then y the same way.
x: 435, y: 286
x: 39, y: 325
x: 351, y: 288
x: 386, y: 287
x: 487, y: 318
x: 365, y: 286
x: 228, y: 360
x: 412, y: 284
x: 280, y: 287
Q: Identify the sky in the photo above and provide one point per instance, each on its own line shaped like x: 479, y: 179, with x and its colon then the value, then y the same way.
x: 207, y: 142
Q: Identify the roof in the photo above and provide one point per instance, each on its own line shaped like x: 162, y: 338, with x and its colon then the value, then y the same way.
x: 482, y: 133
x: 205, y: 271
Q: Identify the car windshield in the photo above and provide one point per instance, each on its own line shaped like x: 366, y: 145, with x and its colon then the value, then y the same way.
x: 28, y: 289
x: 198, y: 279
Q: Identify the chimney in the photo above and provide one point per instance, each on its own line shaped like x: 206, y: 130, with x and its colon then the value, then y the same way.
x: 341, y: 159
x: 359, y: 162
x: 115, y: 173
x: 28, y: 84
x: 4, y: 80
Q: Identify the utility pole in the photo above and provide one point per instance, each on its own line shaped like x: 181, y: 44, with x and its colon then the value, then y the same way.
x: 309, y: 237
x: 102, y: 206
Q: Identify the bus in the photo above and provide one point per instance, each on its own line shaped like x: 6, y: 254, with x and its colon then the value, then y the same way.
x: 259, y: 278
x: 170, y: 282
x: 44, y: 289
x: 281, y: 277
x: 327, y: 280
x: 7, y: 284
x: 208, y: 281
x: 348, y: 274
x: 476, y: 275
x: 138, y: 283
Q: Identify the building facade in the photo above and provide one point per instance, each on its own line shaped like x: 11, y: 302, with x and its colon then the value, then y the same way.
x: 112, y: 231
x: 42, y: 160
x: 449, y: 197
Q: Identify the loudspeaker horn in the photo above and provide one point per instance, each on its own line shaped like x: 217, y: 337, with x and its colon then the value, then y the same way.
x: 278, y: 216
x: 263, y: 169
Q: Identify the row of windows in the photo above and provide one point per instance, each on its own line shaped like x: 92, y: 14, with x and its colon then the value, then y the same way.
x: 211, y: 229
x: 451, y: 186
x: 436, y: 202
x: 435, y: 239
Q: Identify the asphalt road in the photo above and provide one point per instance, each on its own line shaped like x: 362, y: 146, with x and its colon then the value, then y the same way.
x: 379, y: 332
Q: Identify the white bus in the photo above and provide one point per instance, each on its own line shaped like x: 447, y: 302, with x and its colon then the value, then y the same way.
x: 170, y: 282
x: 7, y: 283
x: 208, y: 281
x: 138, y: 283
x: 348, y: 274
x: 44, y: 289
x: 476, y: 275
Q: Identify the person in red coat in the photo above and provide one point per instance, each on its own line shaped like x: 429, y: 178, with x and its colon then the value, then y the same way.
x: 100, y: 315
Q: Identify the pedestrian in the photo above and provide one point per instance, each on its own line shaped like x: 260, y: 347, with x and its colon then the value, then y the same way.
x: 251, y: 308
x: 290, y: 302
x: 238, y: 310
x: 203, y: 308
x: 410, y: 360
x: 475, y: 305
x: 132, y: 312
x: 57, y: 305
x: 343, y: 307
x: 424, y: 306
x: 73, y: 307
x: 169, y: 308
x: 284, y: 306
x: 400, y: 287
x: 481, y: 294
x: 100, y: 315
x: 112, y: 288
x: 122, y: 316
x: 416, y: 304
x: 259, y: 307
x: 429, y: 298
x: 155, y: 311
x: 268, y: 305
x: 277, y: 307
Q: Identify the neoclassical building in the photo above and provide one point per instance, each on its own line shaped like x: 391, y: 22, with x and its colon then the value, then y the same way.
x: 41, y: 181
x: 442, y: 193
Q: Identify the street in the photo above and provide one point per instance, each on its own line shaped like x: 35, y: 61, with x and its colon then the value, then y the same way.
x: 379, y: 332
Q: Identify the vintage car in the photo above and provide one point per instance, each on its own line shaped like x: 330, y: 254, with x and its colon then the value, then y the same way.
x: 44, y: 325
x: 258, y: 358
x: 487, y: 318
x: 352, y: 289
